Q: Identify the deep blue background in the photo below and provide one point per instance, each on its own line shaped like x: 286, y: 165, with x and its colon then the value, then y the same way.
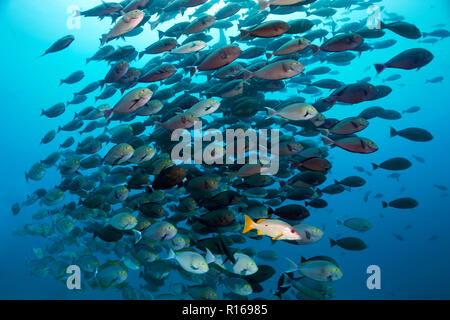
x: 416, y: 268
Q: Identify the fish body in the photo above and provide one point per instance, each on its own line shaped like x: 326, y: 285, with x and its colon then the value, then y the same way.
x: 276, y: 229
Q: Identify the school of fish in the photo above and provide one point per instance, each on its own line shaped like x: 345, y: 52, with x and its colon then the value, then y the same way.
x: 123, y: 205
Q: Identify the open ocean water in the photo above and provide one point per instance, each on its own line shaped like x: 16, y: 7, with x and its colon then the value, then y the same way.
x: 413, y: 263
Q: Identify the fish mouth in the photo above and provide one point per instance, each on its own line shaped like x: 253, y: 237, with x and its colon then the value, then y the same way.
x: 164, y: 237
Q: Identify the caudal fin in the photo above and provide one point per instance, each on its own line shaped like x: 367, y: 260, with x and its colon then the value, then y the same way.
x: 393, y: 132
x: 249, y: 224
x: 171, y: 255
x: 244, y: 33
x: 314, y: 48
x: 379, y: 67
x: 327, y: 141
x: 332, y: 243
x: 103, y: 40
x: 107, y: 113
x: 210, y: 258
x: 191, y: 70
x: 375, y: 166
x: 292, y: 266
x: 271, y: 113
x: 384, y: 204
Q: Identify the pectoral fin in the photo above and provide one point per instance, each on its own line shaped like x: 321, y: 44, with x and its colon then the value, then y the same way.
x: 277, y: 237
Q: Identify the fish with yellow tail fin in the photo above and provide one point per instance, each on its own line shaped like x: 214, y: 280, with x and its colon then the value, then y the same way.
x: 276, y: 229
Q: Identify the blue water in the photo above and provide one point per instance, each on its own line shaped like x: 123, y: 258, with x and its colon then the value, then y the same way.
x: 415, y: 268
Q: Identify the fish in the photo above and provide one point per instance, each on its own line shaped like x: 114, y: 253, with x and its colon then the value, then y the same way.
x: 393, y: 164
x: 180, y: 80
x: 60, y: 45
x: 410, y: 59
x: 127, y: 22
x: 413, y: 134
x: 401, y: 203
x: 276, y: 229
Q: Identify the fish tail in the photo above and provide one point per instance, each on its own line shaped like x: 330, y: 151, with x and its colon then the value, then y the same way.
x: 107, y: 113
x: 314, y: 48
x: 233, y: 39
x: 192, y: 70
x: 379, y: 67
x: 26, y: 176
x: 339, y: 222
x: 332, y: 243
x: 154, y: 24
x: 61, y: 82
x: 375, y: 166
x: 171, y: 255
x: 271, y: 113
x: 244, y: 33
x: 103, y: 39
x: 269, y: 55
x: 247, y: 75
x: 88, y: 60
x: 384, y: 204
x: 160, y: 34
x: 324, y: 132
x: 292, y: 266
x: 393, y: 132
x: 283, y: 184
x: 137, y: 236
x: 336, y: 181
x: 210, y: 258
x: 424, y: 34
x: 327, y: 141
x: 249, y: 224
x: 59, y: 128
x: 263, y: 4
x: 42, y: 112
